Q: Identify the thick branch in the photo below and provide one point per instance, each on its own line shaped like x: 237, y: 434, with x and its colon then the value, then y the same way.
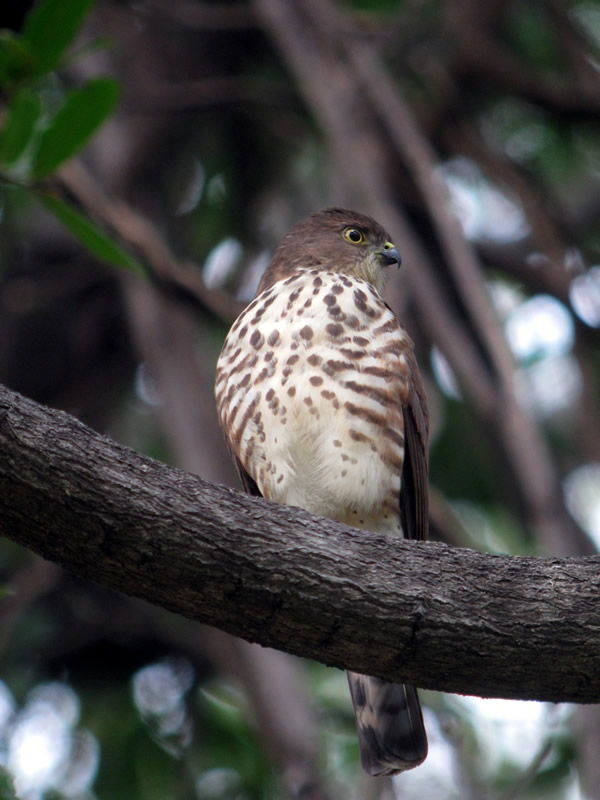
x: 444, y: 618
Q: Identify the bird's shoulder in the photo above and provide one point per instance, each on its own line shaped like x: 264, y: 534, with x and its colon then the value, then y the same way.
x: 315, y: 311
x: 312, y: 293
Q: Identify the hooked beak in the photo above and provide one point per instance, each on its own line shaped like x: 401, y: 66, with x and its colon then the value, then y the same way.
x: 390, y: 254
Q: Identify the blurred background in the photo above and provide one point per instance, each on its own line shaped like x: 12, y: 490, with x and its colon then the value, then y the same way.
x: 471, y: 131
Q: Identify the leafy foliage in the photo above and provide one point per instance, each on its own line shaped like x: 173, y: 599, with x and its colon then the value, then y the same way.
x: 101, y: 245
x: 83, y: 111
x: 43, y: 129
x: 50, y: 28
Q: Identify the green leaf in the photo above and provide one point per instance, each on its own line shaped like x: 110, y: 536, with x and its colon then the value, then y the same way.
x: 83, y: 112
x: 50, y: 27
x: 6, y: 591
x: 97, y: 242
x: 21, y: 118
x: 7, y: 788
x: 16, y: 58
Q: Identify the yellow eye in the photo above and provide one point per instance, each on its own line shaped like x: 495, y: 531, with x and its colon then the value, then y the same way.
x: 354, y: 236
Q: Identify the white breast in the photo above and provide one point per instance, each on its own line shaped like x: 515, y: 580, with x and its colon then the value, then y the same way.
x: 310, y: 389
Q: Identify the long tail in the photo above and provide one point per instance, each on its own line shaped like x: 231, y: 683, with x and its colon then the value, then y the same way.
x: 391, y: 733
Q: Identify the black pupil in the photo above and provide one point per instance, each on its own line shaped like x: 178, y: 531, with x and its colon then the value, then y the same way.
x: 354, y: 235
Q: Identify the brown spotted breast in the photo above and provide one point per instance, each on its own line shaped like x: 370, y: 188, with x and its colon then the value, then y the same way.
x: 310, y: 389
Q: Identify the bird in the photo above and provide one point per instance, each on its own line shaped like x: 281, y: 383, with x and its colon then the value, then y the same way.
x: 323, y: 407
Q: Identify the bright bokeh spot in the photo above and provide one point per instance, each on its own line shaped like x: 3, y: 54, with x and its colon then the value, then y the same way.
x: 443, y: 373
x: 587, y: 15
x: 221, y: 261
x: 507, y: 730
x: 78, y: 774
x: 253, y: 272
x: 44, y: 751
x: 158, y: 693
x: 540, y: 327
x: 146, y: 387
x: 158, y: 688
x: 214, y: 784
x: 38, y: 746
x: 540, y: 332
x: 582, y: 495
x: 584, y: 294
x: 506, y: 297
x: 193, y: 185
x: 7, y: 708
x: 438, y: 776
x: 483, y: 211
x: 549, y: 386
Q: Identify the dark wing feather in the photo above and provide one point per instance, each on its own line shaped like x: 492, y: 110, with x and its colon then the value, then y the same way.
x: 414, y: 490
x: 248, y: 482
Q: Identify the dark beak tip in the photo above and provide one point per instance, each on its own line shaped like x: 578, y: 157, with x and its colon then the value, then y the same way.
x: 392, y: 257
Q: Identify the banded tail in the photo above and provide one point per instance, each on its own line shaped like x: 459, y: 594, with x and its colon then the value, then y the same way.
x: 389, y: 721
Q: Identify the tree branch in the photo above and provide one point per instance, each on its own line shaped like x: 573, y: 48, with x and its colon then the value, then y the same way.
x: 178, y: 279
x: 444, y: 618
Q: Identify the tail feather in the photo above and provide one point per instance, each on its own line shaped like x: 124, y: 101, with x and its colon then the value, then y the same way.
x: 389, y: 721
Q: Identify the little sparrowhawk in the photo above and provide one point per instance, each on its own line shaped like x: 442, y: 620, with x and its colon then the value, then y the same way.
x: 322, y: 405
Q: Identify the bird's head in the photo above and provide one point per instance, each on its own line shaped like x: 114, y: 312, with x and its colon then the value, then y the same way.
x: 334, y: 240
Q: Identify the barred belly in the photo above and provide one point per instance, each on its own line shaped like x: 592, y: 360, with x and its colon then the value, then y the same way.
x: 311, y: 386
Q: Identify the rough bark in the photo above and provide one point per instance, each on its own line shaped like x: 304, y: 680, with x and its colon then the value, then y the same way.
x: 444, y: 618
